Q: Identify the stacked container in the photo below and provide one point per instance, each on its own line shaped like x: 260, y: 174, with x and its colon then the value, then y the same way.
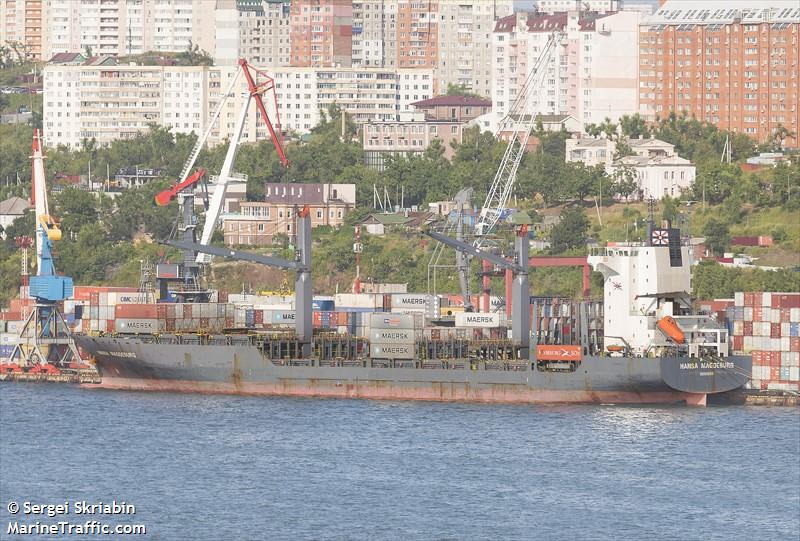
x: 392, y: 336
x: 767, y: 326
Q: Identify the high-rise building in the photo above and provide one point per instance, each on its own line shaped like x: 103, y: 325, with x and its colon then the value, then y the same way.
x: 735, y: 68
x: 120, y: 27
x: 375, y: 33
x: 592, y: 73
x: 257, y: 30
x: 109, y: 102
x: 552, y: 6
x: 321, y: 33
x: 21, y: 24
x: 417, y: 33
x: 465, y: 43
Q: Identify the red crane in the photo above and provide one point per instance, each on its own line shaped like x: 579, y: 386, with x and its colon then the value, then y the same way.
x: 164, y: 198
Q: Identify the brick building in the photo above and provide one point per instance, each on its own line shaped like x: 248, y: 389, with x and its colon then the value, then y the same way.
x: 321, y: 33
x: 257, y: 222
x: 453, y: 108
x: 734, y: 65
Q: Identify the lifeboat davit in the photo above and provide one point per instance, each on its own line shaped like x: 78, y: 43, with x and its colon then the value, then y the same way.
x: 670, y: 327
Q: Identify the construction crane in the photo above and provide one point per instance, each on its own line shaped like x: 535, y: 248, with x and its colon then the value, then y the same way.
x: 518, y: 124
x: 45, y: 336
x: 170, y: 194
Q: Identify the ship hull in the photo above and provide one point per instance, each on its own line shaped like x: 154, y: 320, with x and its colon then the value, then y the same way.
x: 132, y: 364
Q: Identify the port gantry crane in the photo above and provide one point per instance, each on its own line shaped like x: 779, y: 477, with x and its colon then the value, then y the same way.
x: 258, y: 84
x: 45, y: 336
x: 517, y: 124
x: 261, y: 84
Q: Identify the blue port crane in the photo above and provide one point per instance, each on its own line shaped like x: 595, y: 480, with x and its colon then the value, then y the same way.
x: 45, y: 335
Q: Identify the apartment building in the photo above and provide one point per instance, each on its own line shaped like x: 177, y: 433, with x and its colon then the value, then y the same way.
x: 453, y: 108
x: 465, y: 43
x: 21, y: 22
x: 109, y: 102
x: 257, y: 223
x: 375, y: 33
x: 258, y: 30
x: 412, y: 134
x: 735, y: 66
x: 417, y: 33
x: 321, y: 33
x: 591, y: 74
x: 600, y: 150
x: 121, y: 27
x: 552, y: 6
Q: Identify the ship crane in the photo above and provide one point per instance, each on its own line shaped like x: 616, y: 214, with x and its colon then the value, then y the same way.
x: 518, y: 124
x: 45, y: 335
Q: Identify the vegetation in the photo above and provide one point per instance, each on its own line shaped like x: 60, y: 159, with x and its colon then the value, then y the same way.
x: 105, y: 240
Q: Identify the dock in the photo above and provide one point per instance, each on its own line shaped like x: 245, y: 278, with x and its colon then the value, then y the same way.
x: 65, y: 376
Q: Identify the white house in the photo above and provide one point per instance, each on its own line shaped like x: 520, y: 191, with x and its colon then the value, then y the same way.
x: 657, y: 177
x: 11, y: 209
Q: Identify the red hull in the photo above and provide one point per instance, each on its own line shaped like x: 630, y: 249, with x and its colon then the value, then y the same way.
x: 381, y: 391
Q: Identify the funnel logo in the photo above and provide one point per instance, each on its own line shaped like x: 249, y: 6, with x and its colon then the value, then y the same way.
x: 660, y: 237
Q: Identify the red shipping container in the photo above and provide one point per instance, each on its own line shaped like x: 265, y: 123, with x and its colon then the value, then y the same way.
x: 775, y: 373
x: 387, y: 301
x: 229, y: 323
x: 786, y: 315
x: 187, y: 311
x: 94, y: 298
x: 758, y: 313
x: 775, y: 330
x: 258, y: 316
x: 794, y: 343
x: 786, y: 300
x: 758, y: 358
x: 170, y: 325
x: 749, y: 299
x: 747, y: 328
x: 170, y: 311
x: 204, y: 323
x: 161, y: 310
x: 316, y: 319
x: 738, y: 343
x: 136, y: 311
x: 222, y: 296
x: 109, y: 325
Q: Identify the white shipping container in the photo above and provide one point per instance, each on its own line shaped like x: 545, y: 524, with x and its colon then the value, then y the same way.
x: 738, y: 298
x: 794, y: 373
x: 773, y: 386
x: 9, y: 339
x: 785, y: 343
x: 114, y: 298
x: 792, y: 359
x: 760, y: 372
x: 14, y: 327
x: 774, y: 315
x: 794, y: 315
x: 748, y: 313
x: 358, y: 300
x: 738, y: 328
x: 477, y: 319
x: 747, y: 344
x: 766, y: 299
x: 415, y: 300
x: 786, y: 329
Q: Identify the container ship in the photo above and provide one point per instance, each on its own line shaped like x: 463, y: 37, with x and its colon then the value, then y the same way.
x: 642, y: 343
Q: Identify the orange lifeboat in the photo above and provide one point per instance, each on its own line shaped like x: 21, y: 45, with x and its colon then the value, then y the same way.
x: 615, y: 349
x: 670, y: 327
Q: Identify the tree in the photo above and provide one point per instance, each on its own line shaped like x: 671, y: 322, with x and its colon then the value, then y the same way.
x: 717, y: 235
x: 634, y: 126
x: 461, y: 90
x: 571, y: 231
x: 625, y: 182
x: 76, y: 208
x: 669, y: 209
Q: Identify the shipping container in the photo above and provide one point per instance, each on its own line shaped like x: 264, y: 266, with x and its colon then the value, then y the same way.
x: 477, y: 319
x: 135, y: 311
x: 392, y: 351
x: 137, y: 325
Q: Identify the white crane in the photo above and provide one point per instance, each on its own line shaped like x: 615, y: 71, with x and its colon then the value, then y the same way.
x: 518, y: 123
x: 254, y: 92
